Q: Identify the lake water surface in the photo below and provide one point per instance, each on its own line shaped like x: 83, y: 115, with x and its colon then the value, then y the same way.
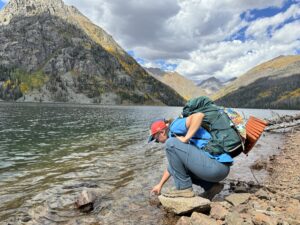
x: 50, y: 152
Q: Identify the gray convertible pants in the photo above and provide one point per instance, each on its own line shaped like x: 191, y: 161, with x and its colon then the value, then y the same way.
x: 190, y: 165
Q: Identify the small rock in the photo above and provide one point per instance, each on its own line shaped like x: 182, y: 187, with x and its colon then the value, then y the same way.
x: 273, y: 203
x: 296, y: 196
x: 218, y: 212
x: 258, y: 205
x: 220, y: 222
x: 237, y: 199
x: 293, y: 209
x: 261, y: 194
x: 185, y: 205
x: 184, y: 220
x: 259, y: 165
x: 201, y: 219
x: 85, y: 221
x: 38, y: 212
x: 292, y: 221
x: 86, y: 200
x: 268, y: 213
x: 233, y: 218
x: 225, y: 204
x: 241, y: 189
x: 87, y: 207
x: 262, y: 219
x: 247, y: 219
x: 281, y: 222
x: 240, y: 209
x: 26, y: 219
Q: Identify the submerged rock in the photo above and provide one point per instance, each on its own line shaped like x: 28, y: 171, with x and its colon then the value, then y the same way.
x: 185, y: 205
x: 85, y: 220
x: 85, y: 201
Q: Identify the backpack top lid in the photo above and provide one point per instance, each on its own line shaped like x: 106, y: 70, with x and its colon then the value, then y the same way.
x: 201, y: 104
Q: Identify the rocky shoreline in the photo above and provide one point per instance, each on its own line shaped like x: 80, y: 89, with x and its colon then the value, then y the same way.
x: 276, y: 201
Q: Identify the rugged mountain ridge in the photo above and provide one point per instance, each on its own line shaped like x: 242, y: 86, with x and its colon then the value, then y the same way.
x: 51, y: 52
x: 211, y: 85
x: 274, y: 84
x: 185, y: 87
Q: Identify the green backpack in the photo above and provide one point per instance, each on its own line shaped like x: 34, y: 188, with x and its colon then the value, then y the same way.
x: 225, y: 138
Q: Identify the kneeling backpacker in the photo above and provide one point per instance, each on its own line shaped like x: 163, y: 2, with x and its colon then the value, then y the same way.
x: 227, y: 128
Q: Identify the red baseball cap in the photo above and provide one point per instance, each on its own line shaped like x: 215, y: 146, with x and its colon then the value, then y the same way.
x: 155, y: 127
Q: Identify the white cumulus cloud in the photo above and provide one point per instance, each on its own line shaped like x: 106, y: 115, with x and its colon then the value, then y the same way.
x: 198, y: 35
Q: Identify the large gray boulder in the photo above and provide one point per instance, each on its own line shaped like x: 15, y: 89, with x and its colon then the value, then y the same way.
x: 185, y: 205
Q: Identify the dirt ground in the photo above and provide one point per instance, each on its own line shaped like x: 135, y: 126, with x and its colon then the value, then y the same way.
x: 284, y: 182
x: 277, y: 201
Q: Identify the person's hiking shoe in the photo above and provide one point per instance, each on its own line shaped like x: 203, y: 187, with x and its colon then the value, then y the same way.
x: 213, y: 191
x: 185, y: 193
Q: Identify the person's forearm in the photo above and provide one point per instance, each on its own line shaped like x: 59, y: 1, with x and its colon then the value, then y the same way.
x: 165, y: 177
x: 194, y: 125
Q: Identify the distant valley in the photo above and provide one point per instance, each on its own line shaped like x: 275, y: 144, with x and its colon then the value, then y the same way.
x: 185, y: 87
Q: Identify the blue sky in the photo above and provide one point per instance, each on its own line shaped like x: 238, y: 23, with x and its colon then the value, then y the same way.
x: 266, y: 12
x: 199, y: 38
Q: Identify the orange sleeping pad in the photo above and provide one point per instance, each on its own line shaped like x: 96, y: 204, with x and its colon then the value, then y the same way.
x: 254, y: 129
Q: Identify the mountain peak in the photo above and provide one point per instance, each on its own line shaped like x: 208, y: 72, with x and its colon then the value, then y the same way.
x: 33, y: 7
x: 155, y: 71
x: 210, y: 80
x: 57, y: 8
x: 211, y: 85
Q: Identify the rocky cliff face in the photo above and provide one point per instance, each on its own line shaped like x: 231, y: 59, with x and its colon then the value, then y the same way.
x: 51, y: 52
x: 185, y: 87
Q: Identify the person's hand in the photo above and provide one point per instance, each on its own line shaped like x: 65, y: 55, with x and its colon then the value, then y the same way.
x: 156, y: 189
x: 182, y: 139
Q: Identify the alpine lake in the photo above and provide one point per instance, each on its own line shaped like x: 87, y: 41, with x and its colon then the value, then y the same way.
x: 49, y: 153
